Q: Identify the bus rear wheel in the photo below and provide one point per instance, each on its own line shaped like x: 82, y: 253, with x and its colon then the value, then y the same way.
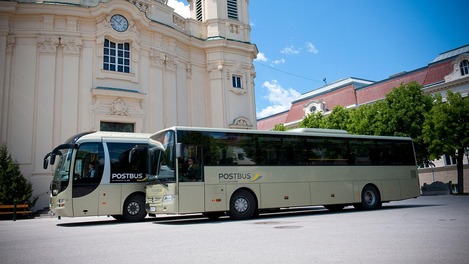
x: 242, y: 205
x: 134, y: 208
x: 371, y: 199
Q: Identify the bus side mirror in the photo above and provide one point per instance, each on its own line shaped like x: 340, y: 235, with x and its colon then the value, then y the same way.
x: 45, y: 163
x: 52, y: 158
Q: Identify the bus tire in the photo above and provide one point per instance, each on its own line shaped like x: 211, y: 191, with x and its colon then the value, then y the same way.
x: 242, y: 205
x: 134, y: 208
x: 371, y: 199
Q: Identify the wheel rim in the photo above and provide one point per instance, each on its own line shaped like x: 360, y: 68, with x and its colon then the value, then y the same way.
x: 133, y: 208
x: 370, y: 198
x: 241, y: 205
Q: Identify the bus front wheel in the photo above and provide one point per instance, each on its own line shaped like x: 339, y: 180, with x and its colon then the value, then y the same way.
x: 134, y: 208
x: 371, y: 199
x: 242, y: 205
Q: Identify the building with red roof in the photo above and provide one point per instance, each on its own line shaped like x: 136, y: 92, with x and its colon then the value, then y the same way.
x: 446, y: 72
x: 449, y: 71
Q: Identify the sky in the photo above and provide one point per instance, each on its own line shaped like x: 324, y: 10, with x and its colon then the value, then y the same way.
x: 304, y: 44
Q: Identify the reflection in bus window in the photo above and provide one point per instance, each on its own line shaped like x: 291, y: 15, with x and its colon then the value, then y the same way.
x: 121, y: 169
x: 89, y: 155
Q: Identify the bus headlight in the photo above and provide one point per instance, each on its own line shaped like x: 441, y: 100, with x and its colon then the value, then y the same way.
x: 168, y: 198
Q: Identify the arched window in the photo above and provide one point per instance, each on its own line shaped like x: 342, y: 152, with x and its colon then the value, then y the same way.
x: 464, y: 67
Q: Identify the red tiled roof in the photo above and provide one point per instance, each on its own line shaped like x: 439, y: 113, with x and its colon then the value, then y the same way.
x: 378, y: 90
x: 344, y: 96
x: 437, y: 72
x: 270, y: 122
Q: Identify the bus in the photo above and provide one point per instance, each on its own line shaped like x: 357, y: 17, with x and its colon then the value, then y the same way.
x: 240, y: 172
x: 93, y: 176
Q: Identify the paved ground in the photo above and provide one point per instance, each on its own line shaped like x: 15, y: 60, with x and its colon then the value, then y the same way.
x: 430, y: 229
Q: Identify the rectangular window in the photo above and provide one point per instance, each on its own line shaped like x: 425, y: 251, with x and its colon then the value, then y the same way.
x: 116, y: 56
x: 116, y: 127
x: 236, y: 81
x: 232, y: 6
x: 449, y: 160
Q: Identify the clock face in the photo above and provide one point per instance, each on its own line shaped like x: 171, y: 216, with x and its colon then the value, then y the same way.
x: 119, y: 23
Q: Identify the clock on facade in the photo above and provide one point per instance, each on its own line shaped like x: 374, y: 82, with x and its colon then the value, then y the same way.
x: 119, y: 23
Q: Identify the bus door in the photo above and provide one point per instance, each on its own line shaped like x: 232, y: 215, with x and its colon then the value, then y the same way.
x: 87, y: 174
x: 191, y: 179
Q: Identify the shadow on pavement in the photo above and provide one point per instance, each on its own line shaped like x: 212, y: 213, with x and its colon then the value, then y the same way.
x: 200, y: 219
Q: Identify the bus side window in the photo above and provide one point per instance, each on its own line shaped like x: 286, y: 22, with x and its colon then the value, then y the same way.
x: 88, y: 169
x: 121, y: 169
x: 190, y: 168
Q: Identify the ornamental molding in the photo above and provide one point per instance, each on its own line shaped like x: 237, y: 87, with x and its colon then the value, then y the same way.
x: 456, y: 73
x: 116, y: 107
x: 157, y: 58
x: 47, y: 44
x: 314, y: 106
x: 143, y: 5
x: 71, y: 45
x: 161, y: 59
x: 11, y: 41
x: 215, y: 70
x: 171, y: 62
x: 241, y: 122
x: 189, y: 70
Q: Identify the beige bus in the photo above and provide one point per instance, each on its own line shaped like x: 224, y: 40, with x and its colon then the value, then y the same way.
x: 239, y: 172
x: 93, y: 176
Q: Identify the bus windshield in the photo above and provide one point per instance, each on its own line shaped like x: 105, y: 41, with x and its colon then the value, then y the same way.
x: 162, y: 154
x: 61, y: 174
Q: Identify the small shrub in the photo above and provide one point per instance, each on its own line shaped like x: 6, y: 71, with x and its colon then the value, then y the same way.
x: 14, y: 187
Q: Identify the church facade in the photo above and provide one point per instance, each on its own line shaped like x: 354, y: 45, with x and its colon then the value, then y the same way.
x: 136, y: 66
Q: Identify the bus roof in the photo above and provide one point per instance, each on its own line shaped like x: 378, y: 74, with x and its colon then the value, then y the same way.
x: 299, y: 131
x: 99, y: 135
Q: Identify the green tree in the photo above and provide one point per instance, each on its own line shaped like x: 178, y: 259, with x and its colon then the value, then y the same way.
x: 363, y: 120
x: 337, y: 119
x: 314, y: 120
x: 446, y: 130
x: 402, y: 113
x: 13, y: 186
x: 279, y: 127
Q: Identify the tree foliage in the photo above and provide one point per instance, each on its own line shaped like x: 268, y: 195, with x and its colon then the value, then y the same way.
x: 404, y: 110
x: 401, y: 113
x: 13, y: 186
x: 313, y: 120
x: 337, y: 119
x: 279, y: 127
x: 364, y: 119
x: 446, y: 129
